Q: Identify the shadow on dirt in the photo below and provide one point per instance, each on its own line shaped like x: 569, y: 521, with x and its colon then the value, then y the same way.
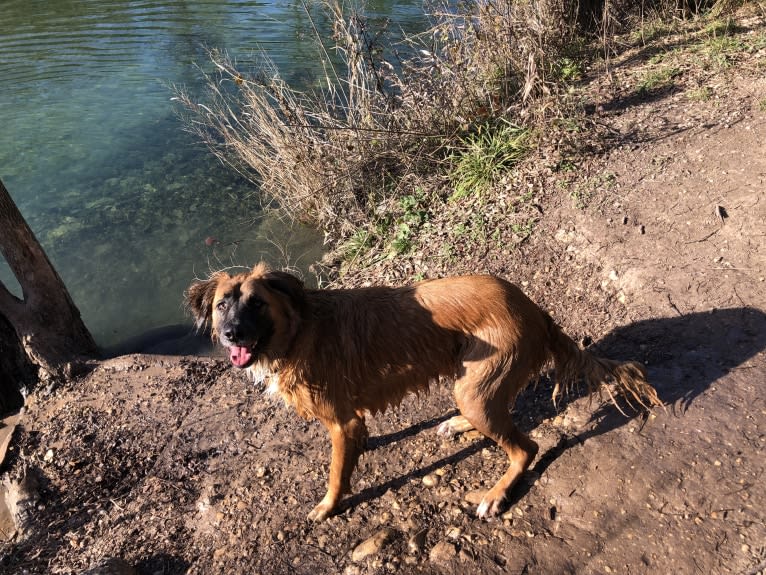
x: 179, y: 339
x: 684, y: 356
x: 379, y: 441
x: 394, y: 484
x: 162, y: 563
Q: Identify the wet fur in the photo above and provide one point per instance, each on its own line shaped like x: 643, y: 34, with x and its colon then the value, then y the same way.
x: 339, y: 354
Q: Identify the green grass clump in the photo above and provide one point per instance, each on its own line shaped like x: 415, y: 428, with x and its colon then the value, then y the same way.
x: 486, y: 154
x: 568, y: 70
x: 414, y: 214
x: 657, y: 80
x: 702, y: 94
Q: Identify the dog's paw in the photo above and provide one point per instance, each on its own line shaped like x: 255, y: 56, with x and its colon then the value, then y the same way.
x: 488, y: 508
x: 445, y: 430
x: 320, y: 512
x: 453, y: 426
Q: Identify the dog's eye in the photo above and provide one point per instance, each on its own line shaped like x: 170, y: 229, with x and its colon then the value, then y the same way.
x: 221, y: 305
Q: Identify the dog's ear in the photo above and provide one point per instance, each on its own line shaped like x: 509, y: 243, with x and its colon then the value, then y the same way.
x: 287, y: 284
x: 198, y: 299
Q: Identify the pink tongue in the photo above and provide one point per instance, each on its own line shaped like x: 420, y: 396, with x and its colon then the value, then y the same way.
x: 240, y: 356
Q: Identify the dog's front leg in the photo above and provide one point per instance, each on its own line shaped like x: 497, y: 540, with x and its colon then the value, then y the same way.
x: 348, y: 440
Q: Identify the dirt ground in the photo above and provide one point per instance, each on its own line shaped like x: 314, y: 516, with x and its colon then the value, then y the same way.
x: 653, y: 250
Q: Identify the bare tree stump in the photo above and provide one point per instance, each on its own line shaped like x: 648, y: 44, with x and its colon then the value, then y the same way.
x: 46, y: 321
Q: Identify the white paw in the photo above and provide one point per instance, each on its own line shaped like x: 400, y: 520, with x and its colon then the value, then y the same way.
x: 488, y: 508
x: 320, y: 512
x: 453, y: 426
x: 446, y: 429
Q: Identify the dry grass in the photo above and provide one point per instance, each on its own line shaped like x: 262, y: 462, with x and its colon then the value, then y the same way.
x: 336, y: 156
x: 387, y: 115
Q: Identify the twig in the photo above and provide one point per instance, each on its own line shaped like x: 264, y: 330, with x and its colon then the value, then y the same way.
x: 710, y: 235
x: 670, y: 301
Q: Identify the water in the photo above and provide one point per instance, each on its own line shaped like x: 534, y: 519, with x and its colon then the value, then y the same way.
x: 91, y: 150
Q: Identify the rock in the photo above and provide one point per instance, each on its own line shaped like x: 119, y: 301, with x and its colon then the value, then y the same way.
x: 219, y: 553
x: 373, y: 545
x: 474, y: 497
x: 111, y: 566
x: 20, y: 501
x: 442, y: 552
x: 431, y: 480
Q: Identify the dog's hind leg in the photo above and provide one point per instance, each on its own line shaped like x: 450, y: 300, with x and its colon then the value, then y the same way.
x: 485, y: 406
x: 348, y: 442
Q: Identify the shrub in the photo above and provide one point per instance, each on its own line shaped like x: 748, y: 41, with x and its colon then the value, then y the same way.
x: 334, y: 156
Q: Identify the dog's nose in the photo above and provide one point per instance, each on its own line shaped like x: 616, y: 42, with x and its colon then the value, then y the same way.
x: 231, y: 333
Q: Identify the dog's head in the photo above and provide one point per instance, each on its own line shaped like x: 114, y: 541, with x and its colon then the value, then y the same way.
x: 254, y: 315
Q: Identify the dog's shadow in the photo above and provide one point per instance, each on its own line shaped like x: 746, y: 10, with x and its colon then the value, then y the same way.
x: 684, y: 356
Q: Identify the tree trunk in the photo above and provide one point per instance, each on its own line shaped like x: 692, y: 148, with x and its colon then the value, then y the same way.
x: 16, y: 371
x: 46, y: 321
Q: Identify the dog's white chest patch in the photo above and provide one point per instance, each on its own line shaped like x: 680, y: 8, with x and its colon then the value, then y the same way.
x: 263, y: 377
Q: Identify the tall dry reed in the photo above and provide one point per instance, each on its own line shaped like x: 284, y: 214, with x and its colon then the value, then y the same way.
x: 335, y: 156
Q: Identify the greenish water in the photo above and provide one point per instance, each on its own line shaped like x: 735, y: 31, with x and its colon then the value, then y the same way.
x: 125, y: 203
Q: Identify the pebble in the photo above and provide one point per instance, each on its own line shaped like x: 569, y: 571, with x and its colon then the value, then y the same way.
x: 431, y: 480
x: 454, y: 532
x: 474, y: 497
x: 372, y: 545
x: 48, y: 457
x: 442, y: 552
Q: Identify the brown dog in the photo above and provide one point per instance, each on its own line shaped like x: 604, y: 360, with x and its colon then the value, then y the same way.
x: 337, y: 354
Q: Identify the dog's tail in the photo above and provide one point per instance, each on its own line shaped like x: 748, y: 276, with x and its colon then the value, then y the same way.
x: 572, y: 363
